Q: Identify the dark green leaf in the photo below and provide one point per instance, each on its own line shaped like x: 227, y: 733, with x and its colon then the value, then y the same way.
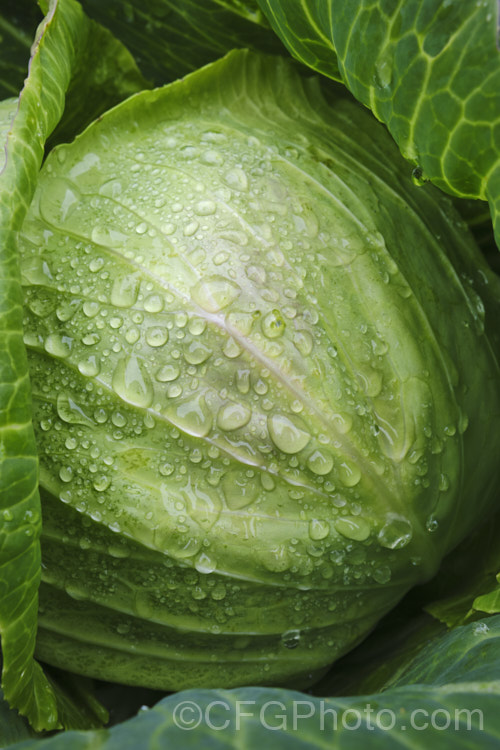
x: 430, y: 71
x: 169, y: 38
x: 442, y: 704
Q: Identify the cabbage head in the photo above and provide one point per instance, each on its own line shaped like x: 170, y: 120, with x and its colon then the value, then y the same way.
x: 262, y: 367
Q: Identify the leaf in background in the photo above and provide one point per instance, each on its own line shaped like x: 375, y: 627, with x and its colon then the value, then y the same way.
x: 170, y: 38
x: 390, y: 648
x: 463, y: 590
x: 13, y: 728
x: 66, y: 40
x: 430, y: 71
x: 466, y: 585
x: 18, y: 22
x: 453, y: 679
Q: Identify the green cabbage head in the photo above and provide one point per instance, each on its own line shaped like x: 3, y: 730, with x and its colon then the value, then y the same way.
x: 261, y: 369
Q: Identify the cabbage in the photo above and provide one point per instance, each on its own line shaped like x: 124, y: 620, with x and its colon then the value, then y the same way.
x: 261, y: 368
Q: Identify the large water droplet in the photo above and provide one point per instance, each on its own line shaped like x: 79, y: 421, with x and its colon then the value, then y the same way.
x: 318, y: 529
x: 125, y: 290
x: 349, y: 474
x: 396, y: 532
x: 291, y: 639
x: 273, y: 325
x: 304, y: 342
x: 212, y: 157
x: 243, y: 322
x: 233, y: 416
x: 58, y: 346
x: 36, y: 271
x: 205, y: 564
x: 204, y: 208
x: 153, y: 303
x: 192, y: 416
x: 59, y: 200
x: 69, y: 411
x: 101, y: 483
x: 287, y: 434
x: 132, y: 383
x: 215, y: 293
x: 239, y: 490
x: 236, y: 179
x: 156, y: 336
x: 243, y: 381
x: 167, y: 373
x: 196, y: 353
x: 89, y: 367
x: 320, y: 462
x: 66, y: 473
x: 353, y: 528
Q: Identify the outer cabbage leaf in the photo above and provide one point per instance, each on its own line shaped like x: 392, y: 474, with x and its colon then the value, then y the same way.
x: 430, y: 71
x: 62, y: 42
x: 439, y: 701
x: 261, y: 367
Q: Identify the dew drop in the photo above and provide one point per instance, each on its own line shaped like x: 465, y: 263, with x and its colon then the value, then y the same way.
x: 432, y: 524
x: 66, y: 474
x: 234, y: 415
x: 212, y: 158
x: 349, y: 474
x: 320, y: 462
x: 91, y: 308
x: 132, y: 335
x: 231, y: 349
x: 396, y: 532
x: 287, y: 434
x: 125, y: 290
x: 273, y: 324
x: 192, y: 416
x: 444, y: 483
x: 239, y: 490
x: 59, y: 200
x: 205, y: 564
x: 267, y: 481
x: 304, y: 342
x: 132, y: 383
x: 69, y: 411
x: 215, y: 293
x: 236, y: 179
x: 89, y: 367
x: 196, y: 353
x: 167, y: 373
x: 191, y: 228
x: 204, y: 208
x: 243, y: 381
x: 291, y: 639
x: 342, y: 423
x: 166, y: 469
x: 353, y: 528
x: 318, y: 529
x: 58, y: 346
x: 156, y: 336
x: 153, y: 303
x: 101, y: 483
x: 382, y: 574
